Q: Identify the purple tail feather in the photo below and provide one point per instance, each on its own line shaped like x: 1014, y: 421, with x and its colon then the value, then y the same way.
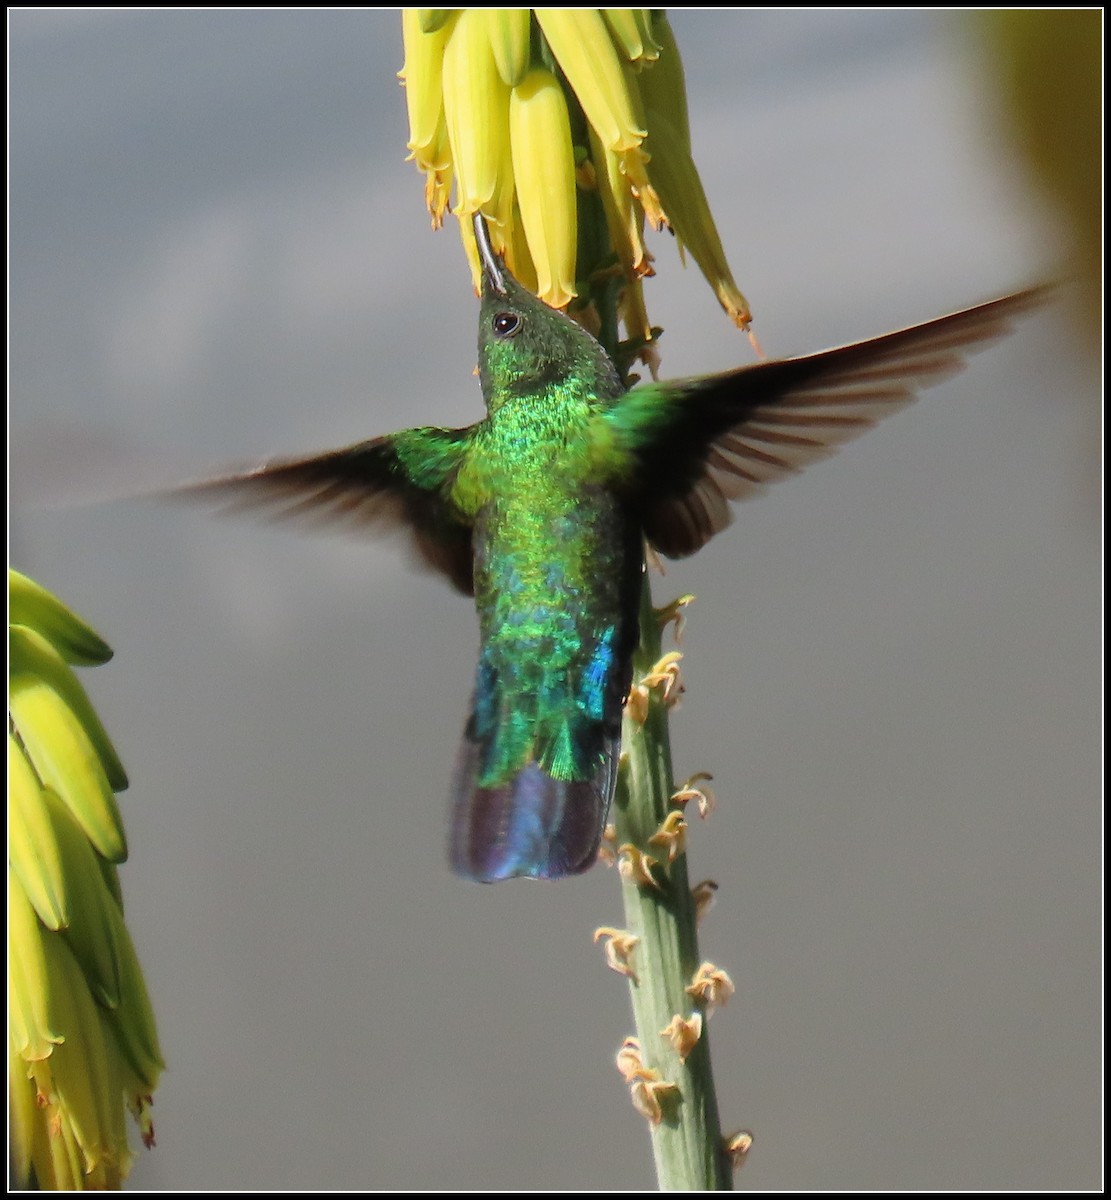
x: 531, y: 825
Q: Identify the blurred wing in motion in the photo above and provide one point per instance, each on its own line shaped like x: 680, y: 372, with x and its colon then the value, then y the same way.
x: 697, y: 444
x: 402, y: 481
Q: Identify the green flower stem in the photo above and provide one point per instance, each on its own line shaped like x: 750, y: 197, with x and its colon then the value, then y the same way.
x: 687, y: 1142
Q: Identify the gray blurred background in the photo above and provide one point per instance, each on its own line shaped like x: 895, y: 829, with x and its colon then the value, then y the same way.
x: 218, y: 253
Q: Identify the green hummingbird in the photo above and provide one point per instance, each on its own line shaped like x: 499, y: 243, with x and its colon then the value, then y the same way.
x: 541, y: 511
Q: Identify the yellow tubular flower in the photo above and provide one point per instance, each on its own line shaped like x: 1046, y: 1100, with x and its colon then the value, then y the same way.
x: 580, y: 41
x: 428, y: 141
x: 634, y: 314
x: 437, y: 182
x: 93, y: 926
x: 32, y: 655
x: 634, y: 162
x: 30, y: 832
x: 675, y: 177
x: 509, y: 30
x: 132, y: 1026
x: 624, y: 219
x: 81, y: 1039
x: 424, y: 53
x: 544, y: 168
x: 476, y: 104
x: 606, y: 88
x: 66, y: 761
x: 645, y: 18
x: 632, y: 30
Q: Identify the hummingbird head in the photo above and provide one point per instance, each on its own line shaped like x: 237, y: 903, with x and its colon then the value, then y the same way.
x: 525, y: 347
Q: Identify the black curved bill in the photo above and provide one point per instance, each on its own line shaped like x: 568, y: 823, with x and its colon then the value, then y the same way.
x: 492, y: 267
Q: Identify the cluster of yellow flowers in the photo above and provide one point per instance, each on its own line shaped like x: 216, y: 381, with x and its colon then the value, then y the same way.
x: 82, y: 1044
x: 530, y: 113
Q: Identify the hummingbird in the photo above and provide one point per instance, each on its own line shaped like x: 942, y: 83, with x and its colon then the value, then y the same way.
x: 541, y: 511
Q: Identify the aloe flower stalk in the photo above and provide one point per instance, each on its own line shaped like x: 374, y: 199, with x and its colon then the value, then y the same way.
x: 82, y: 1046
x: 553, y: 134
x: 668, y: 1069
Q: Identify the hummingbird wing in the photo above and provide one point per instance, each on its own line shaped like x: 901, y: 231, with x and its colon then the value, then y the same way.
x: 697, y: 444
x: 401, y: 481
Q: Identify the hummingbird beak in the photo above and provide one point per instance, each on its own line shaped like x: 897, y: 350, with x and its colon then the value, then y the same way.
x: 492, y: 267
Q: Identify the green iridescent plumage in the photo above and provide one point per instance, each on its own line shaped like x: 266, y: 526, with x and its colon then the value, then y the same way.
x: 540, y: 510
x: 556, y: 570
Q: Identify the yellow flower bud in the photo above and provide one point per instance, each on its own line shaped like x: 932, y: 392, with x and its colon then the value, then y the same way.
x: 509, y: 30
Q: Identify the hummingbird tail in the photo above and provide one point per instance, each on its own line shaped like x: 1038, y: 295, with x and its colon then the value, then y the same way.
x: 533, y: 824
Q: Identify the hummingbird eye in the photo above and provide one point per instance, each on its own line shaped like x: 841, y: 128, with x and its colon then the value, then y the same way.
x: 506, y: 324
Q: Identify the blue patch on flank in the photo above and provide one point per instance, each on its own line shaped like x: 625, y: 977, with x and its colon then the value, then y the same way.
x: 592, y: 693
